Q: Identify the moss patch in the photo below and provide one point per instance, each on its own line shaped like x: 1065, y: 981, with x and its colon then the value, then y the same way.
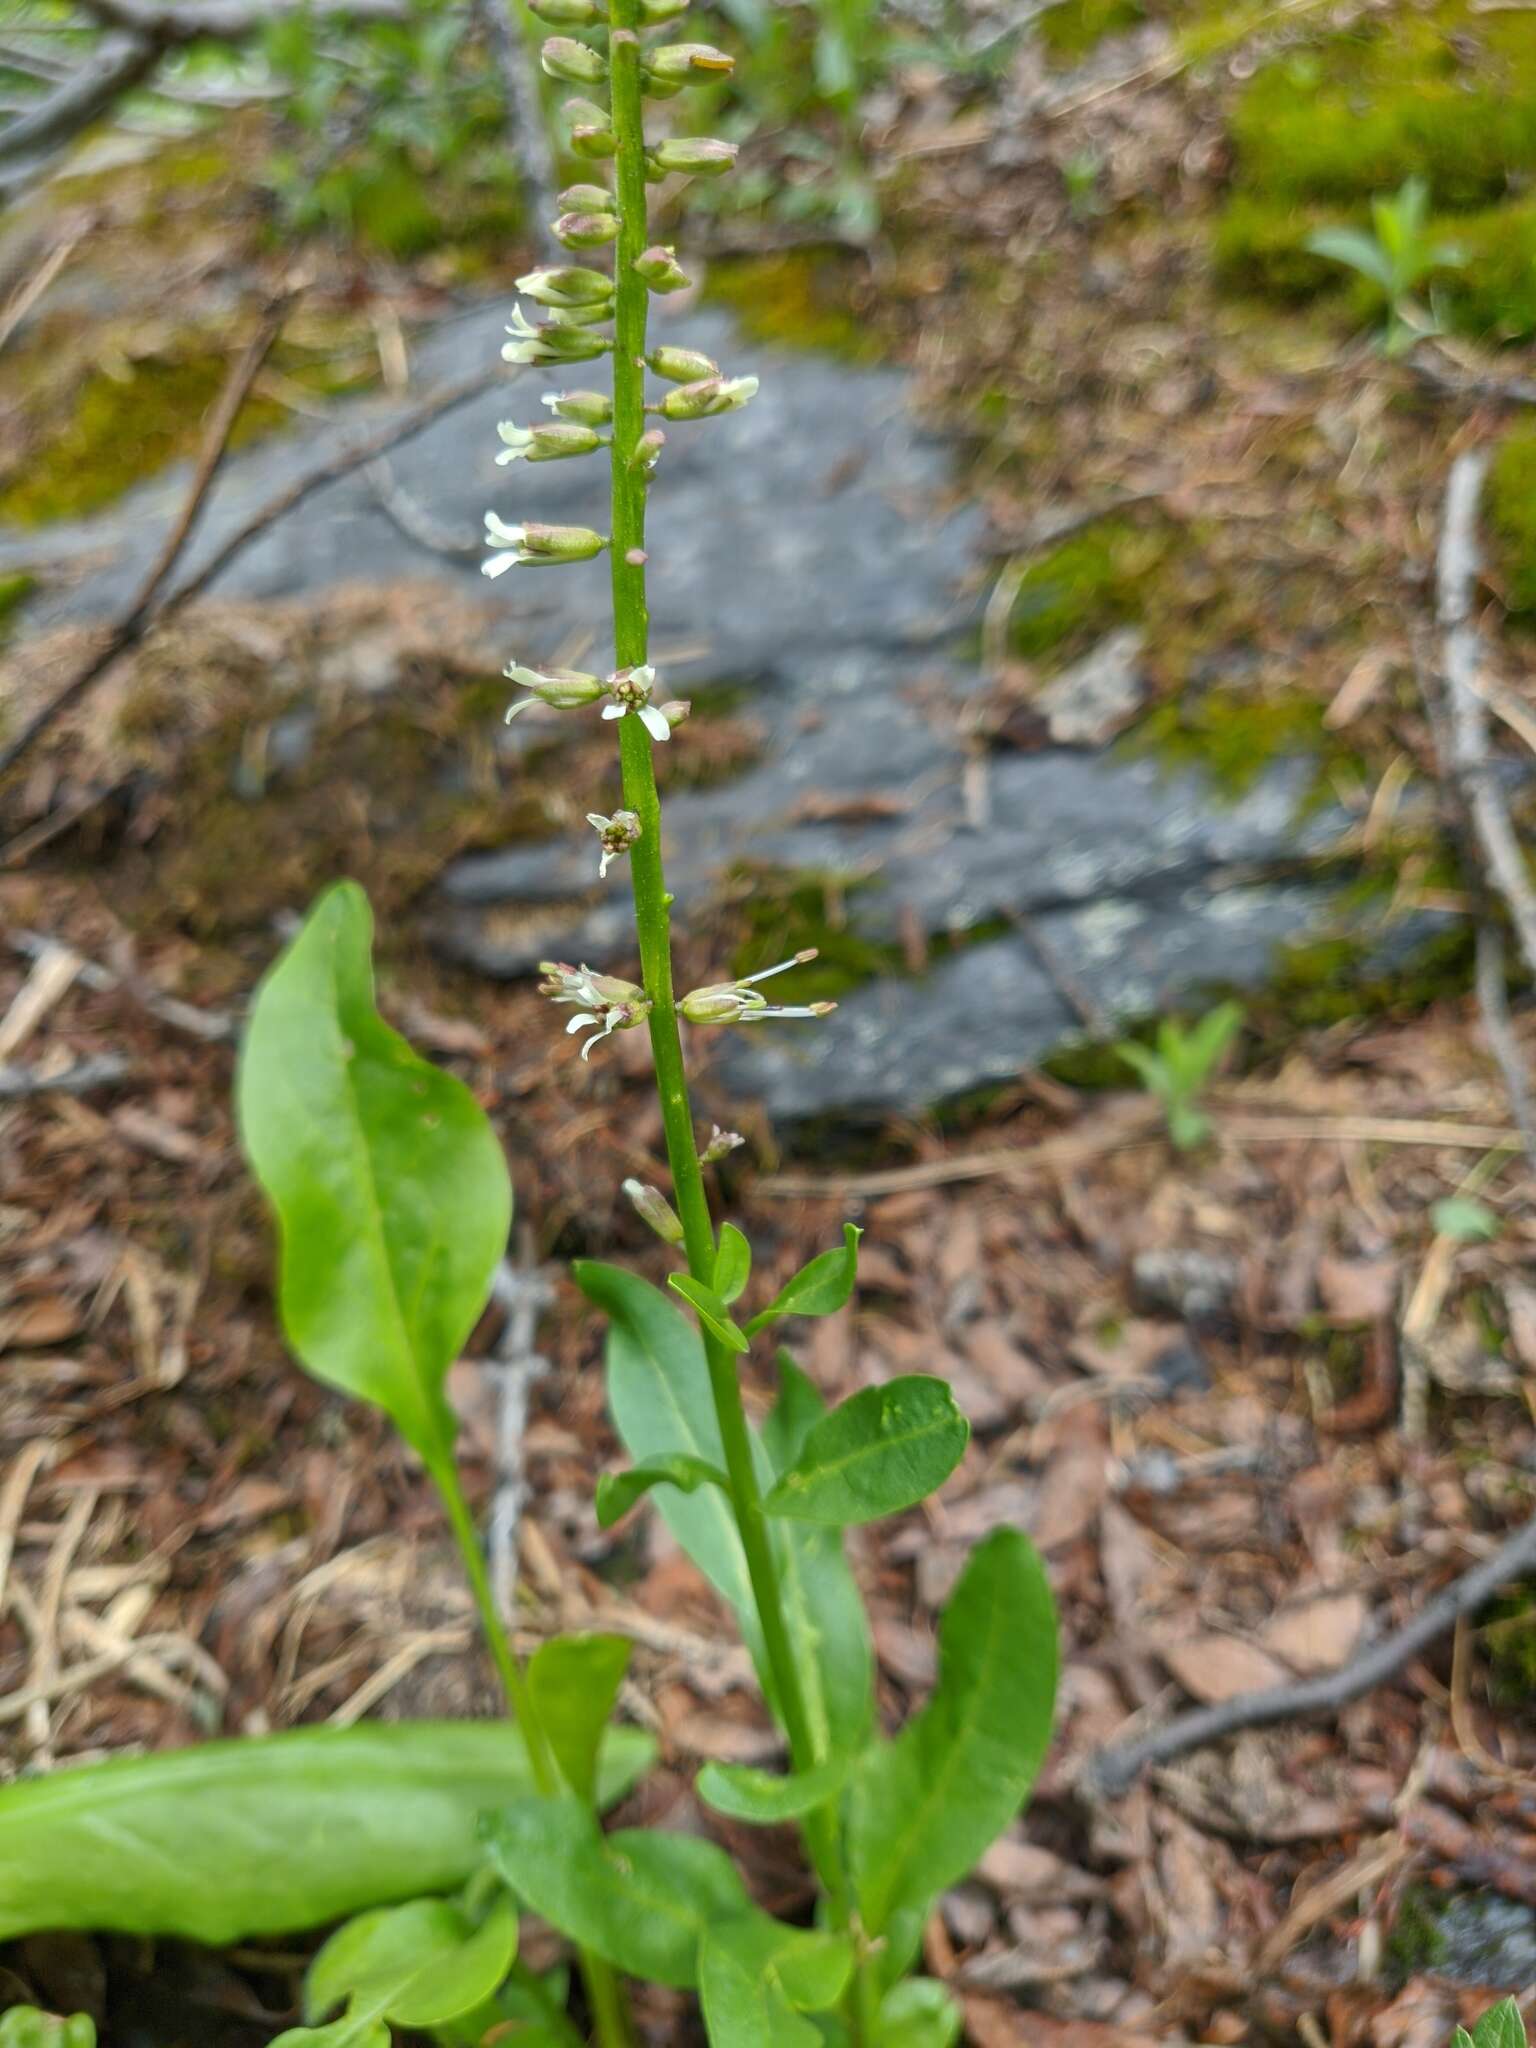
x: 799, y: 298
x: 1095, y: 580
x: 14, y: 592
x: 1511, y: 506
x: 1230, y: 735
x: 1072, y: 28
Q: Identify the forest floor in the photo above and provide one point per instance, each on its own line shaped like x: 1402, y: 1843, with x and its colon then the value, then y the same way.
x: 1255, y: 1402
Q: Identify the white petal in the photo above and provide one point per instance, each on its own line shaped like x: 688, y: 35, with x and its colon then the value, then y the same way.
x: 644, y: 676
x: 521, y: 705
x: 614, y: 710
x: 498, y: 565
x: 597, y: 821
x: 654, y: 723
x: 586, y: 1050
x: 580, y: 1021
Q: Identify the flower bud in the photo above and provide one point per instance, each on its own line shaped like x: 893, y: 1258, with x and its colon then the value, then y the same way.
x: 652, y: 1207
x: 568, y: 13
x: 682, y: 365
x: 584, y: 198
x: 536, y: 546
x: 563, y: 57
x: 655, y: 12
x: 591, y: 130
x: 701, y: 156
x: 675, y: 711
x: 711, y: 395
x: 616, y: 835
x: 661, y: 270
x: 563, y: 689
x: 549, y: 443
x: 721, y: 1145
x: 567, y: 284
x: 674, y: 65
x: 588, y: 408
x: 585, y: 230
x: 648, y: 451
x: 551, y: 341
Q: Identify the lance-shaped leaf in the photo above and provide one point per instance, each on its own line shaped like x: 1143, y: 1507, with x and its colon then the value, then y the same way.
x: 419, y: 1965
x: 640, y: 1898
x: 765, y: 1799
x: 1500, y: 2027
x: 710, y: 1310
x: 391, y: 1192
x: 617, y: 1492
x: 884, y: 1449
x: 828, y: 1624
x: 818, y: 1289
x: 923, y: 1808
x: 574, y: 1682
x: 733, y: 1264
x: 756, y: 1977
x: 231, y: 1840
x: 350, y: 2031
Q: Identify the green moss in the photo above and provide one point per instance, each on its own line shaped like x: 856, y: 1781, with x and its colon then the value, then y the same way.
x: 1417, y: 1943
x: 1072, y: 28
x: 785, y: 914
x: 1231, y: 736
x: 799, y: 298
x: 1508, y: 1635
x: 1511, y: 509
x: 15, y: 589
x: 1094, y: 580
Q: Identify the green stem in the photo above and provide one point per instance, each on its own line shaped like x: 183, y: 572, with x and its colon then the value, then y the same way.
x: 653, y: 918
x: 603, y: 1994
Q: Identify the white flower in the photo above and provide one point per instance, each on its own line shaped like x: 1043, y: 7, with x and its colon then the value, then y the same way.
x: 550, y: 341
x: 738, y: 1002
x: 609, y: 1004
x: 616, y: 835
x: 540, y: 545
x: 563, y: 689
x: 630, y: 689
x: 547, y: 442
x: 567, y: 284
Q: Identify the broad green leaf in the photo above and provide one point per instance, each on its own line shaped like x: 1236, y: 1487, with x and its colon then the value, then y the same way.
x: 658, y: 1391
x: 765, y: 1798
x: 923, y: 1808
x: 1466, y: 1219
x: 918, y: 2013
x: 829, y: 1626
x: 350, y: 2031
x: 710, y: 1310
x: 733, y: 1264
x: 418, y: 1965
x: 617, y: 1492
x: 391, y: 1192
x: 754, y: 1972
x: 818, y: 1289
x: 574, y: 1681
x: 640, y: 1898
x: 883, y: 1450
x: 25, y: 2027
x: 269, y: 1835
x: 1461, y: 2039
x: 1500, y: 2027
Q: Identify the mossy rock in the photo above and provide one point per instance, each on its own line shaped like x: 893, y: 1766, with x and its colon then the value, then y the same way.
x: 1511, y: 510
x: 799, y: 298
x: 1093, y: 581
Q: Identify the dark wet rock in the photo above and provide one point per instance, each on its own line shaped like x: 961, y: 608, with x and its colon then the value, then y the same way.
x: 1194, y: 1285
x: 1480, y: 1938
x: 1183, y: 1368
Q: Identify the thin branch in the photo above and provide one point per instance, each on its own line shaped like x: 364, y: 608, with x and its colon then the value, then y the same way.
x: 225, y: 21
x: 16, y: 1083
x: 120, y: 63
x: 1114, y: 1770
x: 520, y: 75
x: 1498, y: 1028
x: 132, y: 626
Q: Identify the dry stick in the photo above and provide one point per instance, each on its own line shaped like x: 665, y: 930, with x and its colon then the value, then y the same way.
x: 132, y: 626
x: 1112, y: 1771
x: 1493, y: 1000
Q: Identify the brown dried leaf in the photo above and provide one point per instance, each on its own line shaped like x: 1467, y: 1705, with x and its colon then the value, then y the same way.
x: 1217, y: 1667
x: 1320, y: 1635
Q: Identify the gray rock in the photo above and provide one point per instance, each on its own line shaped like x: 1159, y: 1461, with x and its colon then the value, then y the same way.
x: 1197, y: 1286
x: 1097, y: 697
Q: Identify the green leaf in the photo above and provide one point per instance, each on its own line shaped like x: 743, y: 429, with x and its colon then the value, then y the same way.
x: 733, y: 1264
x: 922, y: 1809
x: 1209, y: 1039
x: 918, y: 2013
x: 828, y: 1624
x: 883, y: 1450
x: 1500, y: 2027
x: 818, y: 1289
x: 347, y: 2032
x: 617, y: 1492
x: 1465, y: 1219
x: 710, y: 1310
x: 640, y: 1898
x: 418, y: 1965
x: 765, y: 1798
x: 391, y: 1192
x: 754, y: 1972
x: 1145, y: 1063
x: 269, y: 1835
x: 658, y: 1390
x: 574, y: 1682
x: 25, y: 2027
x: 1358, y: 250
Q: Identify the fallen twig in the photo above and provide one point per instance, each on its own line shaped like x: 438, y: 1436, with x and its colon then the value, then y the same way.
x: 1114, y: 1770
x: 17, y: 1083
x: 206, y: 1024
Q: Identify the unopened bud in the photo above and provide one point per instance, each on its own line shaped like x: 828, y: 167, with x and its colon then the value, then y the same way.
x: 536, y: 546
x: 676, y: 711
x: 707, y: 398
x: 585, y: 230
x: 652, y: 1207
x: 700, y: 156
x: 585, y: 198
x: 563, y: 57
x: 655, y: 12
x: 661, y: 270
x: 648, y: 451
x: 567, y: 284
x: 587, y: 408
x: 563, y: 689
x: 591, y: 130
x: 551, y: 341
x: 568, y: 13
x: 551, y: 443
x: 721, y: 1145
x: 674, y: 65
x: 682, y: 365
